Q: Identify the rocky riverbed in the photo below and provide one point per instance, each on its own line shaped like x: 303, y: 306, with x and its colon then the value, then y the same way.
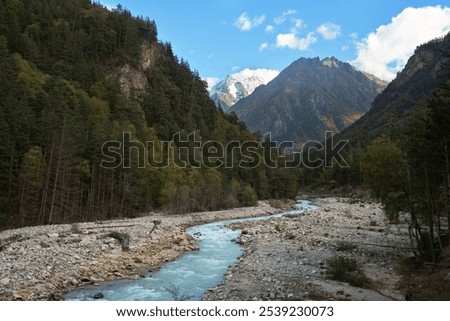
x: 44, y: 262
x: 288, y: 258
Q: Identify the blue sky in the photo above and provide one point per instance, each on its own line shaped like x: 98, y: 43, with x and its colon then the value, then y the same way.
x: 222, y: 37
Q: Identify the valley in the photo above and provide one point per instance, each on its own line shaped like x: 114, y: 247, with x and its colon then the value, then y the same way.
x: 121, y: 162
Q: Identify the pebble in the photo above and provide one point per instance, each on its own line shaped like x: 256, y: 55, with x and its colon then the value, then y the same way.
x: 51, y: 260
x: 282, y: 256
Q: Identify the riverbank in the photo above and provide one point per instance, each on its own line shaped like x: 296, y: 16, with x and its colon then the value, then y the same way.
x: 287, y: 258
x: 44, y: 262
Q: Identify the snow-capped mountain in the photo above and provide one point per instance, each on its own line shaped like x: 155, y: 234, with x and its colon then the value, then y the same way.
x: 309, y: 98
x: 231, y: 89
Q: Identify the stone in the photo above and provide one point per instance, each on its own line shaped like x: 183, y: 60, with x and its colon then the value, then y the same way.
x: 290, y: 236
x: 4, y: 281
x: 98, y: 295
x: 53, y: 235
x: 447, y: 278
x: 44, y: 245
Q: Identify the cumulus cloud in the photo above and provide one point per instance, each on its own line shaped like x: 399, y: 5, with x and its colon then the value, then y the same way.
x: 291, y: 40
x: 263, y: 46
x: 269, y: 28
x: 281, y: 19
x: 329, y: 31
x: 385, y: 51
x: 245, y: 23
x: 298, y: 23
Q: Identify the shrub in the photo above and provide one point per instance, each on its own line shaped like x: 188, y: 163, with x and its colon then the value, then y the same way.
x: 345, y: 246
x: 347, y: 270
x: 123, y: 238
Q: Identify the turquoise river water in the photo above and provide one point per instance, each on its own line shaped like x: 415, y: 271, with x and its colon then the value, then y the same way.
x: 189, y: 276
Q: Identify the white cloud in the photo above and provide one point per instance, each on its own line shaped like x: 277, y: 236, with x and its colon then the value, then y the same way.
x: 245, y: 23
x: 329, y: 31
x: 236, y: 68
x: 265, y: 74
x: 269, y: 28
x: 281, y: 19
x: 211, y: 81
x: 291, y: 40
x: 263, y: 46
x: 298, y: 23
x: 385, y: 51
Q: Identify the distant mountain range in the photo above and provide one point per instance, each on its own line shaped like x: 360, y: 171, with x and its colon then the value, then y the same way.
x: 309, y: 97
x: 234, y: 87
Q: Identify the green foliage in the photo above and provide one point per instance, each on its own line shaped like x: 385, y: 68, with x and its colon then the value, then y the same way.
x: 33, y: 164
x: 407, y: 162
x: 385, y: 172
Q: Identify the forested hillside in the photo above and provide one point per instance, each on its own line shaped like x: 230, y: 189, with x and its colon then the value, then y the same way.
x: 400, y: 149
x: 74, y: 76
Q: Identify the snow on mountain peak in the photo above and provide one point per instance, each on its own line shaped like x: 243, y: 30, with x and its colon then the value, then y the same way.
x: 234, y: 87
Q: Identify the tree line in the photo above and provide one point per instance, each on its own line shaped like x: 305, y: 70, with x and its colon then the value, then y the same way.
x: 60, y: 103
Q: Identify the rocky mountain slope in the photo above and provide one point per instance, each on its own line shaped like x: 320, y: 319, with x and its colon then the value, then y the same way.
x: 309, y: 97
x: 407, y: 91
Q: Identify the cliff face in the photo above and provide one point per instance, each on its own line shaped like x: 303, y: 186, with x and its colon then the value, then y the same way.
x: 132, y: 78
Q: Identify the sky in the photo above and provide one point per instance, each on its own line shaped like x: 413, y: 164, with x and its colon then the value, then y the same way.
x: 221, y: 37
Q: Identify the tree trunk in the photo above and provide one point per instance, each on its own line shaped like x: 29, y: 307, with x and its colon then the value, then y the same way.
x: 58, y: 165
x: 447, y: 190
x: 43, y: 207
x: 430, y: 218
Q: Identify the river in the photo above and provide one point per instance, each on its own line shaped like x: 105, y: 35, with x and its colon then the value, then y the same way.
x: 189, y: 276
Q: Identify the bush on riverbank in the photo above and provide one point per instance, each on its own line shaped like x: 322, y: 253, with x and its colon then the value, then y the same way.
x: 347, y: 270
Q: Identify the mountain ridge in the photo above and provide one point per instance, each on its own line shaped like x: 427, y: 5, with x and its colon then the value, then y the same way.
x: 407, y: 91
x: 309, y: 97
